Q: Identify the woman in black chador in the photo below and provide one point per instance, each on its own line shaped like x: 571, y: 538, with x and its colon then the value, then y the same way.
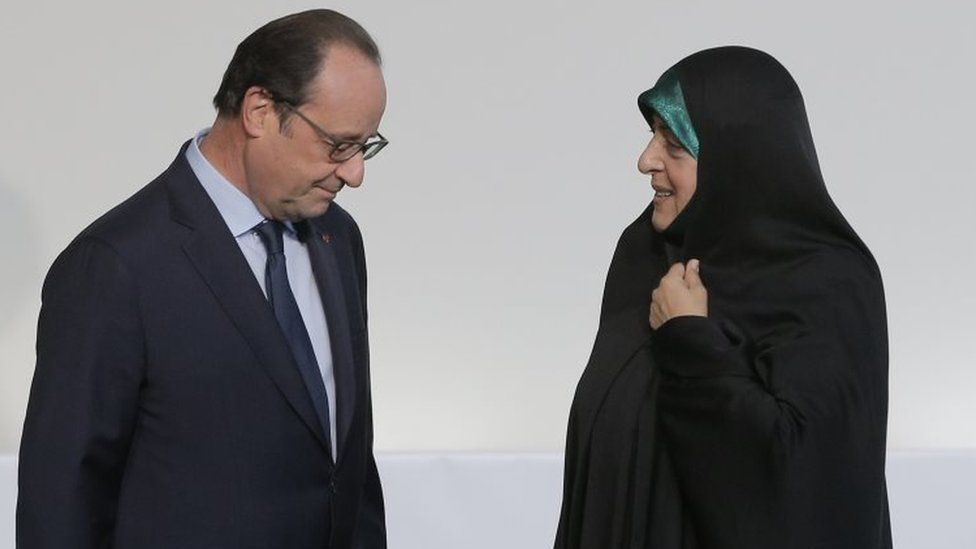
x: 736, y: 396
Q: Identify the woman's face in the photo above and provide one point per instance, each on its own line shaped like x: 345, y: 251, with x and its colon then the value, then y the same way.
x: 673, y: 171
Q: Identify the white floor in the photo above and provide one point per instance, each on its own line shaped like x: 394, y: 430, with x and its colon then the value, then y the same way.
x: 487, y: 501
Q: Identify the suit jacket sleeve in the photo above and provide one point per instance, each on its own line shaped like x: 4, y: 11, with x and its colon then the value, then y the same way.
x: 83, y: 401
x: 371, y: 529
x: 372, y: 518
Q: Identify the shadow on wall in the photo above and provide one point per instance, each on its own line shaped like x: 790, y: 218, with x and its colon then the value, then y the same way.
x: 20, y: 270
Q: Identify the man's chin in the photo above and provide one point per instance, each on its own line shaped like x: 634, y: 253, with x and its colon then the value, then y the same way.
x: 316, y: 209
x: 305, y: 211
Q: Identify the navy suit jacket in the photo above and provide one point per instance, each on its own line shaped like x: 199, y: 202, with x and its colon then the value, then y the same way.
x: 166, y: 410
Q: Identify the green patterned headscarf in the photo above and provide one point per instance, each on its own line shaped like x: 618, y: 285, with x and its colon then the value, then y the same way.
x: 666, y: 99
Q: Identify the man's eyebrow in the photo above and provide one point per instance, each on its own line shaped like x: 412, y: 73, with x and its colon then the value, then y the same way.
x: 358, y: 138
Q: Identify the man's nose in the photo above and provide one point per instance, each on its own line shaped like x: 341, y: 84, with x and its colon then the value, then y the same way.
x: 351, y: 171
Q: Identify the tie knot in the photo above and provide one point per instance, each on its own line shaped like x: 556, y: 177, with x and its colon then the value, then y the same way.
x: 271, y: 232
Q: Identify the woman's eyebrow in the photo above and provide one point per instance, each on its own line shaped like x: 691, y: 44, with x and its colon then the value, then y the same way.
x: 657, y: 123
x: 662, y: 127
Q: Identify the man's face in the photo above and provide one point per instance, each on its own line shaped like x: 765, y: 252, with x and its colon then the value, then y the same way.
x: 290, y: 175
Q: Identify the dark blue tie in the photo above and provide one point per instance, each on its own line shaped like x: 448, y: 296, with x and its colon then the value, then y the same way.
x: 290, y: 319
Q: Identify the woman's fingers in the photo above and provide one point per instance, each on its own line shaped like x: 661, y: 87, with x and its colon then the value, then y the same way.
x: 691, y: 276
x: 676, y: 271
x: 680, y: 293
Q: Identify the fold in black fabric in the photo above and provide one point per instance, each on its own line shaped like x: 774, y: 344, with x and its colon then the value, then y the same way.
x: 763, y: 425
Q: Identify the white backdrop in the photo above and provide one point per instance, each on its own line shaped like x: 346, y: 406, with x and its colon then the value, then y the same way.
x: 490, y: 219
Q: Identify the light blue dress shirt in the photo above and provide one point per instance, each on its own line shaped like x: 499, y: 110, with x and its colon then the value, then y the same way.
x: 241, y: 217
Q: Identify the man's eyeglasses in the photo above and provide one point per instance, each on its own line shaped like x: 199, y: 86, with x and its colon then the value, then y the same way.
x: 341, y: 150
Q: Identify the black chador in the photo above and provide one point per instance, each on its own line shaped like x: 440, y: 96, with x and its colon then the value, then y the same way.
x: 762, y: 425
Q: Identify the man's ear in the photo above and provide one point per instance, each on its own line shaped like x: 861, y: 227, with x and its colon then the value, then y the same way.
x: 257, y: 112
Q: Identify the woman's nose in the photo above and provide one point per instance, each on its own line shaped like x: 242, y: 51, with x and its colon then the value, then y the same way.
x: 649, y: 160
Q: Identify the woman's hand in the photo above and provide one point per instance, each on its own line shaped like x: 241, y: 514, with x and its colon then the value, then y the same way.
x: 680, y: 293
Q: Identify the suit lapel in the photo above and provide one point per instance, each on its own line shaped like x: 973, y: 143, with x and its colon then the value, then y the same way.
x: 329, y: 266
x: 216, y: 256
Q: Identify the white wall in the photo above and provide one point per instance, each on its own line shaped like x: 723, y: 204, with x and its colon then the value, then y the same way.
x: 490, y: 219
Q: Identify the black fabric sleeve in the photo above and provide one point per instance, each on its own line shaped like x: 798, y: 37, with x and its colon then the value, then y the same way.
x: 694, y: 346
x: 724, y: 429
x: 781, y: 444
x: 83, y: 401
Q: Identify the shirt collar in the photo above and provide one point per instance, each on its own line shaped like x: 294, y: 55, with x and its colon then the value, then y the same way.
x: 237, y: 210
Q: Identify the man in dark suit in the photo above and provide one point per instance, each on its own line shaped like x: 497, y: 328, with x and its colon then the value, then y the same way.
x: 202, y: 367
